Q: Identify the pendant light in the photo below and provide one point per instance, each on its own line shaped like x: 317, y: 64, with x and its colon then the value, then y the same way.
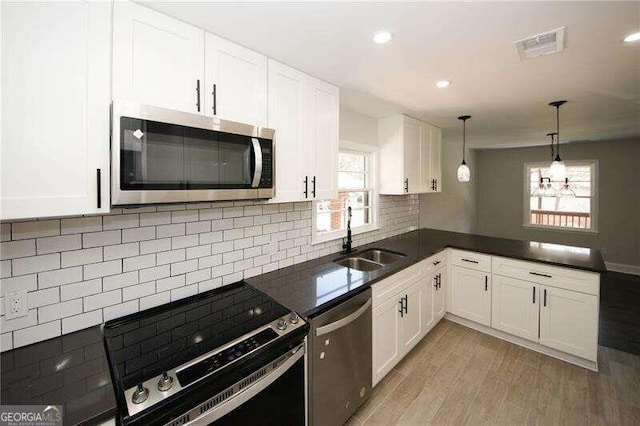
x: 464, y: 174
x: 558, y: 169
x: 566, y: 191
x: 545, y: 189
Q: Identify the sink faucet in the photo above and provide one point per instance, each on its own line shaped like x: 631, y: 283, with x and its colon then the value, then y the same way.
x: 346, y: 242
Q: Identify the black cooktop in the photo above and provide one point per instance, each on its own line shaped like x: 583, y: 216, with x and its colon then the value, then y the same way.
x: 143, y: 345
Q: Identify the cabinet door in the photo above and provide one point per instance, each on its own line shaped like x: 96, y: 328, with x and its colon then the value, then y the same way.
x: 411, y: 319
x: 439, y: 305
x: 55, y: 106
x: 157, y: 60
x: 411, y: 154
x: 515, y: 307
x: 569, y: 322
x: 435, y: 160
x: 428, y: 297
x: 235, y: 82
x: 322, y: 142
x: 286, y: 117
x: 426, y: 184
x: 471, y: 294
x: 386, y: 338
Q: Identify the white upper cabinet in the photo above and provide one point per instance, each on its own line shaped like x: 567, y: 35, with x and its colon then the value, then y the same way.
x: 322, y: 144
x: 56, y: 63
x: 235, y: 82
x: 303, y: 111
x: 157, y: 60
x: 409, y: 156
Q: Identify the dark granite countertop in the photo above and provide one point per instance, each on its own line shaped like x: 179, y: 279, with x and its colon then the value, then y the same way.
x: 69, y: 370
x: 312, y: 287
x: 72, y: 369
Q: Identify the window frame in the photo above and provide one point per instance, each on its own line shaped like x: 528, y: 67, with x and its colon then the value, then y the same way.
x: 374, y: 192
x: 594, y: 198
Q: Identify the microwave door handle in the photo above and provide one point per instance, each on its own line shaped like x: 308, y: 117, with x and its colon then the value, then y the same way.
x: 257, y: 151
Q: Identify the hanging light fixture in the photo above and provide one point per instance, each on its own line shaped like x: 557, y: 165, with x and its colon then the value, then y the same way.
x: 464, y: 174
x: 558, y: 169
x: 566, y: 191
x: 545, y: 188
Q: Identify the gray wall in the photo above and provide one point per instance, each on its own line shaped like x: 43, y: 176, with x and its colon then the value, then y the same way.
x: 356, y: 127
x: 454, y: 208
x: 500, y: 197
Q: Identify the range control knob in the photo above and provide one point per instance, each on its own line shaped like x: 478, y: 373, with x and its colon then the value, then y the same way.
x: 282, y: 324
x: 165, y: 382
x: 140, y: 395
x: 293, y: 318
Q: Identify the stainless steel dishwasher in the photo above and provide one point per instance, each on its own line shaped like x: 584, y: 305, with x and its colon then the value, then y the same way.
x: 340, y: 379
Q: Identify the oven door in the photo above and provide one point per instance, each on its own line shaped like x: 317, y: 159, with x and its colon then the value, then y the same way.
x: 273, y: 395
x: 165, y: 156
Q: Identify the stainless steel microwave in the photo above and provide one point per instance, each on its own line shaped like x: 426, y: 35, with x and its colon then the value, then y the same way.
x: 165, y: 156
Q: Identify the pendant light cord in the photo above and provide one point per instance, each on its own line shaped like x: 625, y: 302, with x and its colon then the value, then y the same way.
x: 558, y: 128
x: 464, y: 119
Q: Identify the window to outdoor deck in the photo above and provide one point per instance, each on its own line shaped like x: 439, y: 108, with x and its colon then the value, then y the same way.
x: 576, y: 212
x: 357, y: 188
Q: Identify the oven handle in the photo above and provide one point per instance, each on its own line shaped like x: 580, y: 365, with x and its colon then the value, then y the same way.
x: 320, y: 331
x: 242, y: 397
x: 257, y: 151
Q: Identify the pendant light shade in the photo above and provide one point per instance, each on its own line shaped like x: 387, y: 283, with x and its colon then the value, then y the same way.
x: 566, y: 191
x: 558, y: 169
x: 464, y: 174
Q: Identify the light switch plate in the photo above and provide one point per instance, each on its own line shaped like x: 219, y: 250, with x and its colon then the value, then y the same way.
x: 16, y: 304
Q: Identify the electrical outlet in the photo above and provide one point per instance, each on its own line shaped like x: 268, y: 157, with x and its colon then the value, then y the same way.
x: 16, y: 304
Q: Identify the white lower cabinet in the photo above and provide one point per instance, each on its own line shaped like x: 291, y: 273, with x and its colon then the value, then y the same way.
x: 515, y: 307
x: 386, y: 338
x: 439, y: 292
x: 410, y: 317
x: 569, y: 322
x: 470, y: 294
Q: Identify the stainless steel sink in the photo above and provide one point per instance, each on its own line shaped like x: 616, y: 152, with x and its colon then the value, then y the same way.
x: 370, y: 260
x: 359, y: 264
x: 381, y: 256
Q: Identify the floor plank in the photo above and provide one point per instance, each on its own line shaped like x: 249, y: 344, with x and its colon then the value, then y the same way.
x: 458, y: 376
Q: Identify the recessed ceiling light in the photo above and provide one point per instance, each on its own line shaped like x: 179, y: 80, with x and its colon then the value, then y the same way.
x: 382, y: 37
x: 632, y: 37
x: 443, y: 83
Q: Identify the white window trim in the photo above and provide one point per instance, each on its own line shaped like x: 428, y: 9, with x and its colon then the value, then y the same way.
x: 595, y: 198
x: 374, y: 211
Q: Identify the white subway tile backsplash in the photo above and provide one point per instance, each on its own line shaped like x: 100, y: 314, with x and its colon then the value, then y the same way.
x: 25, y: 282
x: 174, y: 230
x: 35, y: 229
x: 59, y: 277
x: 120, y: 310
x: 138, y: 262
x: 139, y: 234
x: 81, y: 257
x: 59, y: 310
x: 29, y: 265
x: 57, y: 244
x: 152, y: 219
x: 80, y: 289
x: 118, y: 281
x: 104, y: 238
x: 35, y: 334
x: 120, y: 221
x: 106, y: 298
x: 45, y: 297
x: 120, y: 251
x: 97, y: 270
x: 138, y: 258
x: 78, y: 322
x: 170, y: 283
x: 15, y: 249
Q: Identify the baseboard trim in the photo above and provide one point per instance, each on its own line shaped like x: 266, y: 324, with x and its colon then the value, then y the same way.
x: 571, y: 359
x: 621, y: 267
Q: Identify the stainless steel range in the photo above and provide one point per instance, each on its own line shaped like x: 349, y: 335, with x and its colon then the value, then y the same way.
x: 228, y: 356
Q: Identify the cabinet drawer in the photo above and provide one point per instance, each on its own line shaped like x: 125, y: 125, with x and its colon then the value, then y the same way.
x: 436, y: 261
x: 471, y: 260
x: 566, y: 278
x: 389, y: 287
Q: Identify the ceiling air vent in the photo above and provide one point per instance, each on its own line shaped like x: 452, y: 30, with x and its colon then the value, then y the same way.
x: 545, y: 43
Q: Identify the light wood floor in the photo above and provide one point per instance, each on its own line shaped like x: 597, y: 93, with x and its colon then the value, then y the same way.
x: 459, y: 376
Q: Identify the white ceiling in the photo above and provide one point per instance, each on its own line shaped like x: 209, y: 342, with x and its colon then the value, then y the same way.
x: 470, y: 44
